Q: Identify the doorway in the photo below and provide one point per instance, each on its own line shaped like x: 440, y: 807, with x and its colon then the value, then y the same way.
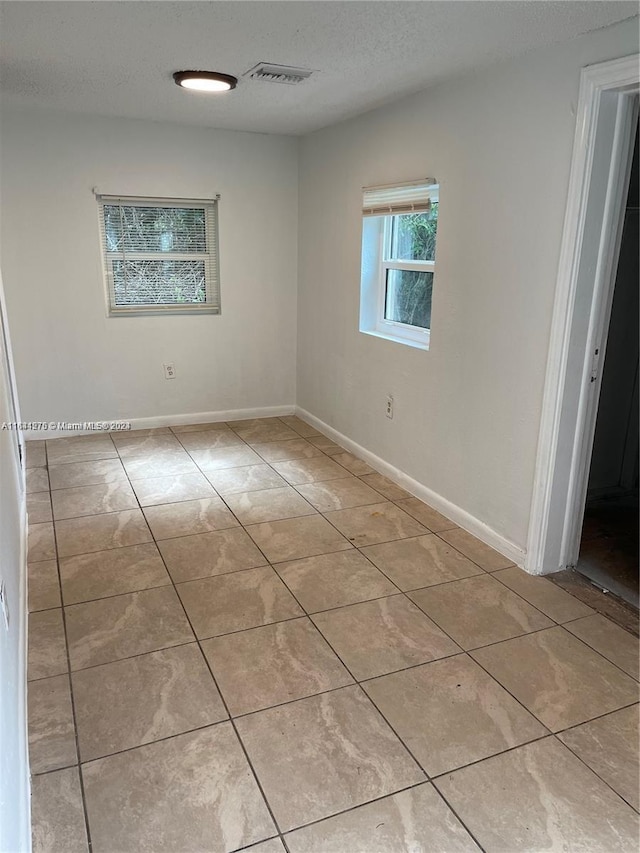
x: 606, y: 128
x: 609, y: 542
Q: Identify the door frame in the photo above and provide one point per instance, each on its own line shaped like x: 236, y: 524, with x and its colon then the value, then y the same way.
x: 603, y: 146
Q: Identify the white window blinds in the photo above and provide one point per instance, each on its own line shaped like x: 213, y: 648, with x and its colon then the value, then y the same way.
x: 392, y: 200
x: 160, y: 255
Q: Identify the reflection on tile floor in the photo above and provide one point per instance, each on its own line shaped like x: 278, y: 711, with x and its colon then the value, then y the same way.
x: 242, y: 637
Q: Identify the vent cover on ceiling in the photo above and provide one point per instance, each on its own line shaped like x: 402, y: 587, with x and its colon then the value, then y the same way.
x: 269, y: 73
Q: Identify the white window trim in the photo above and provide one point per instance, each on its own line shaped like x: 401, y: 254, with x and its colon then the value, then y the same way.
x: 380, y: 327
x: 391, y: 328
x: 212, y: 303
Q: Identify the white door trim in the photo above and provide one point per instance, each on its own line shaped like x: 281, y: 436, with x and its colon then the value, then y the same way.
x: 590, y: 243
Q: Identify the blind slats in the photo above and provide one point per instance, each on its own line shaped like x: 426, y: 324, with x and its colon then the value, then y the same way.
x: 160, y: 254
x: 414, y: 197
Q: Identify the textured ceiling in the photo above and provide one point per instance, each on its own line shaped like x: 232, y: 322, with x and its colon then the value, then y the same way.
x: 116, y: 58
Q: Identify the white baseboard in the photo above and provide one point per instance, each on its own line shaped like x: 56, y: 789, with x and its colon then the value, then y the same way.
x: 169, y: 420
x: 460, y: 516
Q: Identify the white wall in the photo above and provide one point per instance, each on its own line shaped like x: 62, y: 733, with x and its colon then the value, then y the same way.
x: 467, y: 412
x: 74, y: 363
x: 15, y: 830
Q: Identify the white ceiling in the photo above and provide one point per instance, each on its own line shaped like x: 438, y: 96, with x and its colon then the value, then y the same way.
x: 117, y: 58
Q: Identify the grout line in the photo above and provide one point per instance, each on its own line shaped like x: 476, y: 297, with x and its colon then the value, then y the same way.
x: 581, y: 759
x: 73, y: 704
x: 222, y: 699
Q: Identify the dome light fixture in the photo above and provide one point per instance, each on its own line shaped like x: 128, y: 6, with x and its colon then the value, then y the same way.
x: 205, y: 81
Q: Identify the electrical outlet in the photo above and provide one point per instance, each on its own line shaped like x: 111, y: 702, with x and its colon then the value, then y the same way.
x: 389, y: 409
x: 169, y: 370
x: 4, y: 606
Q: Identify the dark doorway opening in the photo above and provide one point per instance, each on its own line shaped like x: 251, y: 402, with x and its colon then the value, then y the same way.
x: 609, y: 544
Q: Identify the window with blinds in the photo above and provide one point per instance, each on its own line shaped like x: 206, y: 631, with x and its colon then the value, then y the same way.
x: 398, y: 260
x: 160, y: 255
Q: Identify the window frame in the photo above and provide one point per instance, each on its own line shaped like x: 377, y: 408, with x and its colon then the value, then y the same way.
x: 211, y: 258
x: 392, y: 328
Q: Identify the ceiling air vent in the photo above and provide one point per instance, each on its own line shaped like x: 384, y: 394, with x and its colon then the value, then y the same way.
x: 270, y: 73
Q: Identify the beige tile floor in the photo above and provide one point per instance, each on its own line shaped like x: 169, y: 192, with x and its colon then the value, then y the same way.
x: 243, y: 637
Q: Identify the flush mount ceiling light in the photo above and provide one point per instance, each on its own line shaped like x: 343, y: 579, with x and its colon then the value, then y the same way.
x: 205, y: 81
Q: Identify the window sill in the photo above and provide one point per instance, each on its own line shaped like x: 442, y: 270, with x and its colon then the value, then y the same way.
x: 160, y: 312
x: 423, y: 345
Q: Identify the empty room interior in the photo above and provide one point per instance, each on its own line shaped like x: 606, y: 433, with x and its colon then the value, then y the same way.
x: 319, y: 426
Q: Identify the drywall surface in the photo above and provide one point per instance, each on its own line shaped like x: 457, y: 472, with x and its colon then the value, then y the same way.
x: 467, y: 412
x: 15, y: 832
x: 73, y: 363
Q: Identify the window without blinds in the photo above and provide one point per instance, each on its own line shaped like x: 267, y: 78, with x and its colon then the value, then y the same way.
x: 160, y: 256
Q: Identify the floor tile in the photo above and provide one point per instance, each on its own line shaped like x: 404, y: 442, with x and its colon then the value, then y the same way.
x: 249, y: 478
x: 613, y: 642
x: 39, y: 507
x: 43, y: 585
x: 539, y: 797
x: 420, y: 561
x: 188, y: 517
x: 369, y: 525
x: 145, y: 698
x: 57, y: 816
x: 543, y: 594
x: 119, y: 570
x: 37, y: 480
x: 558, y: 678
x: 234, y: 602
x: 260, y: 433
x: 85, y: 448
x: 268, y: 505
x: 479, y: 610
x: 298, y: 425
x: 324, y: 754
x: 476, y: 550
x: 281, y: 451
x: 353, y: 464
x: 72, y: 474
x: 338, y: 494
x: 35, y: 454
x: 101, y: 532
x: 179, y: 429
x: 139, y: 433
x: 52, y: 739
x: 210, y: 439
x: 93, y: 500
x: 166, y: 490
x: 381, y: 636
x: 294, y: 538
x: 413, y: 821
x: 326, y: 445
x: 159, y: 464
x: 386, y: 487
x: 333, y: 580
x: 450, y: 713
x: 245, y: 423
x: 207, y: 554
x: 317, y: 469
x: 272, y: 665
x: 220, y: 458
x: 195, y: 791
x: 41, y: 542
x: 609, y: 746
x: 130, y: 446
x: 422, y: 512
x: 125, y: 625
x: 47, y: 653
